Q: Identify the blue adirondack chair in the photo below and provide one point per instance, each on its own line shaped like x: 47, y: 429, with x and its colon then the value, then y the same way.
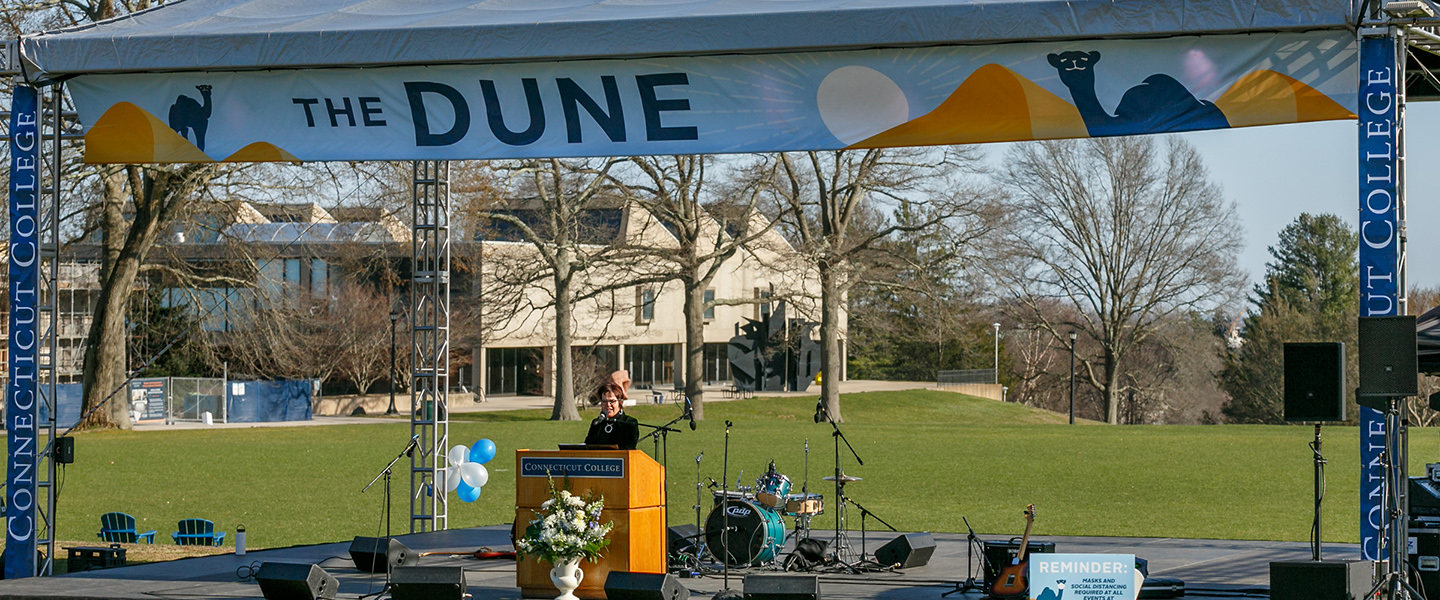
x: 120, y: 527
x: 197, y: 532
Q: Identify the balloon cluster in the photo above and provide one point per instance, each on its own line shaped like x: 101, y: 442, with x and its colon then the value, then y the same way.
x: 467, y: 474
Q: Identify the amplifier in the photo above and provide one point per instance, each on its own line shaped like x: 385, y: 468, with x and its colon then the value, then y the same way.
x: 998, y: 555
x: 1424, y: 553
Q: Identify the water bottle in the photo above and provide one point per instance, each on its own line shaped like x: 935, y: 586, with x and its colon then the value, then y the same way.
x: 240, y: 541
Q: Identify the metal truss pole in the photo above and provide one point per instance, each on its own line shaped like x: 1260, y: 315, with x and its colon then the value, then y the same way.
x: 49, y: 363
x: 430, y: 343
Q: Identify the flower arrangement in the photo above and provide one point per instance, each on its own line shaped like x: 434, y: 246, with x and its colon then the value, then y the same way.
x: 566, y: 527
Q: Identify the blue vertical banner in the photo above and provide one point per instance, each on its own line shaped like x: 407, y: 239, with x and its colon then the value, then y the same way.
x: 1379, y: 254
x: 21, y: 408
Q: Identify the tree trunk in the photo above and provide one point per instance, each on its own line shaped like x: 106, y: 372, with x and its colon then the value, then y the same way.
x: 1111, y: 391
x: 564, y: 365
x: 830, y: 367
x: 695, y: 346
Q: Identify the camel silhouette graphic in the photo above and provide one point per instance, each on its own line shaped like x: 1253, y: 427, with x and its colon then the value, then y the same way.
x: 1158, y: 104
x: 1049, y: 594
x: 187, y: 114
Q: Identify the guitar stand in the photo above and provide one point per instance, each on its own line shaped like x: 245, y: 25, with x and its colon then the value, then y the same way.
x: 972, y: 542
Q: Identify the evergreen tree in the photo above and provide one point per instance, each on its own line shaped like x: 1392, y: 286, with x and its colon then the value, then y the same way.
x: 1309, y: 295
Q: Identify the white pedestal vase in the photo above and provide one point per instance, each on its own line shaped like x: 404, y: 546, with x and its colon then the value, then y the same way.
x: 567, y: 576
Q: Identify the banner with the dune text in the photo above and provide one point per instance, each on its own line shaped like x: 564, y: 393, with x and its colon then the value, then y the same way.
x: 722, y: 104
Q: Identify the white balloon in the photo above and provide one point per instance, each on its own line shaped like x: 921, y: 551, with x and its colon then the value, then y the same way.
x: 458, y: 455
x: 452, y: 479
x: 474, y: 474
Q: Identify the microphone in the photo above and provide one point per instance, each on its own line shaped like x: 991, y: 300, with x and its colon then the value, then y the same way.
x: 690, y: 412
x: 819, y: 409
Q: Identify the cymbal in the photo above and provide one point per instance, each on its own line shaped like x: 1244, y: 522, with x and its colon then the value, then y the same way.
x: 843, y: 478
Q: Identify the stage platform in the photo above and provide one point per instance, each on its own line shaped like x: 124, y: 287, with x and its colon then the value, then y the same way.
x: 1221, y: 568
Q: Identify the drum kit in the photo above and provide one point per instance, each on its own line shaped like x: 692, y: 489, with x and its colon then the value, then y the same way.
x: 746, y: 525
x: 756, y: 530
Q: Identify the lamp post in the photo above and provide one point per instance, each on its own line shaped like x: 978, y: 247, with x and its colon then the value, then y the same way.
x: 394, y: 318
x: 1073, y: 335
x: 997, y: 354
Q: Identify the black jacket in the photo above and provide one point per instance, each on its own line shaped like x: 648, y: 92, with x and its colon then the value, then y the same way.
x: 621, y: 431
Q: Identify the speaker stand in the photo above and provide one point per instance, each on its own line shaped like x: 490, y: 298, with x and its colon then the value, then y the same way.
x: 1320, y: 463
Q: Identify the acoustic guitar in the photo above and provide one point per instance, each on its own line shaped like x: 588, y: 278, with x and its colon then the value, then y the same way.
x: 1012, y: 582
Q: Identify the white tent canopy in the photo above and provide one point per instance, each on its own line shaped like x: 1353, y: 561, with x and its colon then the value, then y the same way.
x: 219, y: 35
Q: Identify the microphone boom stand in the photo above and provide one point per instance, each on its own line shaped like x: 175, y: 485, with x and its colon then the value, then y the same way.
x: 385, y: 473
x: 841, y: 545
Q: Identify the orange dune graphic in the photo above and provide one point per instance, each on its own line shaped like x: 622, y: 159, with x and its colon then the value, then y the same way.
x: 993, y: 104
x: 1269, y: 98
x: 126, y: 134
x: 261, y: 152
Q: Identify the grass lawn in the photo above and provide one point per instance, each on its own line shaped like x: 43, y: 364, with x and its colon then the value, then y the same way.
x: 930, y: 457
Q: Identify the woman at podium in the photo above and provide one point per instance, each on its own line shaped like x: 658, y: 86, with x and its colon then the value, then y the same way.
x: 613, y: 426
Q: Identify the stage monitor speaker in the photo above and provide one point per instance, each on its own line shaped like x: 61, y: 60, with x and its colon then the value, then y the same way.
x: 683, y: 538
x: 374, y: 554
x: 624, y: 585
x: 782, y: 587
x: 427, y: 583
x: 1327, y: 580
x: 1389, y: 366
x: 906, y: 551
x: 295, y: 581
x: 1315, y: 381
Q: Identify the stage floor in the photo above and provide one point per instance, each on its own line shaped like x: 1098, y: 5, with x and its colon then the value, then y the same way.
x: 1226, y: 567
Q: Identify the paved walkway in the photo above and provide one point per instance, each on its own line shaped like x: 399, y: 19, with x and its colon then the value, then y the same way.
x: 501, y: 403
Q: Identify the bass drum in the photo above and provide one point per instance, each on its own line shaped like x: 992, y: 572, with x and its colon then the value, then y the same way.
x: 755, y: 536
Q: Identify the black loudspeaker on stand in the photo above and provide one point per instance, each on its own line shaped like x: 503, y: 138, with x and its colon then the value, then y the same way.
x: 1389, y: 365
x: 294, y: 581
x: 906, y: 551
x: 1315, y: 381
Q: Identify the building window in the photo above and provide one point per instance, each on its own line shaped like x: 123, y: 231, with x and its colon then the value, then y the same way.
x: 709, y: 310
x: 514, y: 371
x: 717, y: 363
x: 644, y: 305
x: 762, y: 309
x: 651, y: 365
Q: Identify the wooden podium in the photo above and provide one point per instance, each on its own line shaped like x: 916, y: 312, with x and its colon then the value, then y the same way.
x: 631, y: 483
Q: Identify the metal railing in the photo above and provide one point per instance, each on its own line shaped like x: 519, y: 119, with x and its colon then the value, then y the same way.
x: 963, y: 376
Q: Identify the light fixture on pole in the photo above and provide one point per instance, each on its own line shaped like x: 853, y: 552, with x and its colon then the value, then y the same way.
x: 1073, y: 335
x: 997, y: 354
x: 394, y: 318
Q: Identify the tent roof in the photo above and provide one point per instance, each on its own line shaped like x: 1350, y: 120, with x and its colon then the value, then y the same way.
x: 213, y: 35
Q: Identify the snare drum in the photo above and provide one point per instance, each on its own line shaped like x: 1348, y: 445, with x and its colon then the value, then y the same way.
x: 721, y: 495
x: 804, y: 504
x: 771, y: 489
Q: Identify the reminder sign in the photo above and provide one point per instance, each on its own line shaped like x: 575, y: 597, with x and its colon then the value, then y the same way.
x: 1084, y: 577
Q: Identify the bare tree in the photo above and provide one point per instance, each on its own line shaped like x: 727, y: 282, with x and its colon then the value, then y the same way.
x: 1129, y: 232
x: 548, y: 210
x: 833, y: 207
x: 710, y: 222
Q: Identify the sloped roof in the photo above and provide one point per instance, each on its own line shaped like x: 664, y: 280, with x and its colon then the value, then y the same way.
x: 189, y: 35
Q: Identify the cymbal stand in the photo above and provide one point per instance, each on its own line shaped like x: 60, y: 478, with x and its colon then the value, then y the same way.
x: 699, y: 492
x: 970, y: 584
x: 841, y: 545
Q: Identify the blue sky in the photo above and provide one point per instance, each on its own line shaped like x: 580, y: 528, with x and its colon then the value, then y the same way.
x: 1275, y: 173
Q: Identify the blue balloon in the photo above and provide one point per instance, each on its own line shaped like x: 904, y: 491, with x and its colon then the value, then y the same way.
x: 482, y: 451
x: 467, y: 493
